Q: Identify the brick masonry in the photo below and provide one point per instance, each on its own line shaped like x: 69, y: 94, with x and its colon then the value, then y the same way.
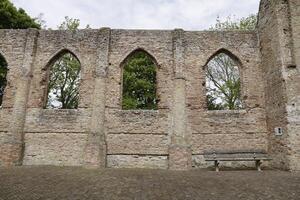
x: 100, y: 134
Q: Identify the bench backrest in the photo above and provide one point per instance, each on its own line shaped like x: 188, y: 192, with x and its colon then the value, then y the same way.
x: 237, y: 155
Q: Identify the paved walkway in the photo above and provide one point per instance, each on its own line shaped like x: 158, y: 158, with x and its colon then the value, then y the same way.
x: 136, y: 184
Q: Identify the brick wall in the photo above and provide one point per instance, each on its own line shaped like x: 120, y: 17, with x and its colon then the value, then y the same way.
x: 100, y: 134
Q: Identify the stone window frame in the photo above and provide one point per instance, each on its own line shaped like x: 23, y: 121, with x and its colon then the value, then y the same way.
x: 240, y: 66
x: 6, y: 77
x: 46, y: 75
x: 157, y: 66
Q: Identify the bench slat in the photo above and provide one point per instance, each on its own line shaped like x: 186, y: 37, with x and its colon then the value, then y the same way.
x: 237, y: 155
x: 236, y: 159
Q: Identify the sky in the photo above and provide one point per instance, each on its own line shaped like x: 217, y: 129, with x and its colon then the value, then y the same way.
x: 139, y: 14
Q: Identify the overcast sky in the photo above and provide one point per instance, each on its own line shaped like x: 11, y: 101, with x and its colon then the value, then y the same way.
x: 139, y: 14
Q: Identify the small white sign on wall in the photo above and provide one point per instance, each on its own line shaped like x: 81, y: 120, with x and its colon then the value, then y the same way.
x: 278, y: 131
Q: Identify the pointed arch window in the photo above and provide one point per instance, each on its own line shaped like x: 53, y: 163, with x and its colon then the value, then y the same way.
x: 223, y: 83
x: 139, y: 81
x: 3, y: 73
x: 63, y: 81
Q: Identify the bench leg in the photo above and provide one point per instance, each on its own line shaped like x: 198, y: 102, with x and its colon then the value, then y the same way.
x: 257, y: 164
x: 217, y: 165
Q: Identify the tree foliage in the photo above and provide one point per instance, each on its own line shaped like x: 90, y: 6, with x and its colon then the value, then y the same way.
x: 13, y: 18
x: 3, y: 72
x: 63, y: 86
x: 223, y: 83
x: 69, y: 24
x: 230, y: 24
x: 139, y: 82
x: 64, y: 83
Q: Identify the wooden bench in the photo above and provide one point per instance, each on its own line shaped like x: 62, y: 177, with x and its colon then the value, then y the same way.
x: 217, y: 157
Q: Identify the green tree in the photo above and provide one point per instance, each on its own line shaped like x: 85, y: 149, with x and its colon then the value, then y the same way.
x: 13, y: 18
x: 139, y: 82
x: 230, y: 24
x: 63, y: 83
x: 3, y: 72
x: 63, y: 86
x: 222, y: 72
x: 69, y: 24
x: 223, y: 83
x: 212, y: 103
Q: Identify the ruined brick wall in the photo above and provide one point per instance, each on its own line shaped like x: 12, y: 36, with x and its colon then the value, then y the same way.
x: 293, y: 106
x: 279, y: 37
x: 100, y: 133
x: 274, y: 84
x: 225, y: 130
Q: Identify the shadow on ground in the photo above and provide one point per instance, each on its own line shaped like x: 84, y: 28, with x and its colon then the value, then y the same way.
x: 78, y: 183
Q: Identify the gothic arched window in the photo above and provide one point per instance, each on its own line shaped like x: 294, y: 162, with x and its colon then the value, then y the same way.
x: 223, y: 84
x: 63, y: 81
x: 3, y: 73
x: 139, y: 81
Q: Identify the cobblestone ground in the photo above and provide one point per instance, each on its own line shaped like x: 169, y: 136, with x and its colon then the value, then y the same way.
x: 77, y: 183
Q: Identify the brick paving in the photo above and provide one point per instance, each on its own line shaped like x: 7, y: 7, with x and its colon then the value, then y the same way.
x: 74, y: 183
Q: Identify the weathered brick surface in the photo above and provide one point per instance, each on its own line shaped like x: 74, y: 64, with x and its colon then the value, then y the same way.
x: 49, y: 120
x: 5, y: 116
x: 175, y: 136
x: 223, y: 142
x: 147, y: 144
x: 10, y: 153
x: 64, y: 149
x: 135, y: 122
x: 12, y: 49
x: 280, y: 64
x: 137, y: 161
x: 293, y: 87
